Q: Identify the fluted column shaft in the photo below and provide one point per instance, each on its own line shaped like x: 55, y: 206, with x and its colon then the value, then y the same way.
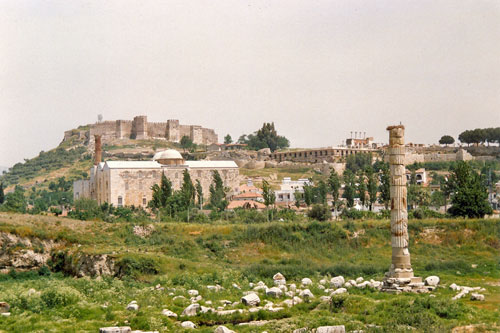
x: 401, y: 266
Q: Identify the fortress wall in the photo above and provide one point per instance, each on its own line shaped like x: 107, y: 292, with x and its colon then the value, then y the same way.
x: 184, y: 130
x: 440, y: 157
x: 209, y: 136
x: 196, y: 134
x: 123, y: 129
x: 139, y: 128
x: 157, y: 130
x: 107, y: 130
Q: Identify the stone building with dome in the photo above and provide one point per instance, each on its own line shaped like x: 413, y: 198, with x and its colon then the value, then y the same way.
x: 127, y: 183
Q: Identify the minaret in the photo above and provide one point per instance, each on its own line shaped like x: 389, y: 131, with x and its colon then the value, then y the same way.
x: 400, y: 276
x: 98, y: 150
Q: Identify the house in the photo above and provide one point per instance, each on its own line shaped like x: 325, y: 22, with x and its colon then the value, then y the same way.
x: 245, y: 204
x: 420, y: 176
x: 288, y: 187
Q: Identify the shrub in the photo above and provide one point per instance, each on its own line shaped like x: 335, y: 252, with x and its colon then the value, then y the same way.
x: 319, y: 212
x: 58, y: 297
x: 132, y: 266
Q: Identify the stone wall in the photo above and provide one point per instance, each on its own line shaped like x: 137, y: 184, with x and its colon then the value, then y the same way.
x: 329, y: 154
x: 134, y: 185
x: 460, y: 155
x: 140, y: 128
x: 157, y: 130
x: 123, y: 129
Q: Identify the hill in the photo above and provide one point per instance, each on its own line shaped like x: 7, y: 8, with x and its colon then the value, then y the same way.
x: 155, y: 264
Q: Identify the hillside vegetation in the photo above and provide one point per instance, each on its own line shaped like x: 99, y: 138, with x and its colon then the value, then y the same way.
x: 181, y: 256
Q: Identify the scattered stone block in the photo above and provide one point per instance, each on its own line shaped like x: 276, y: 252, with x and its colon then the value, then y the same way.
x: 251, y: 299
x: 306, y: 281
x: 223, y: 329
x: 193, y: 292
x: 432, y: 280
x: 168, y: 313
x: 339, y: 291
x: 133, y: 306
x: 306, y: 293
x: 337, y: 281
x: 274, y: 292
x: 115, y: 329
x: 279, y: 279
x: 331, y: 329
x: 476, y: 297
x: 188, y: 324
x: 191, y: 310
x: 4, y: 307
x: 325, y: 299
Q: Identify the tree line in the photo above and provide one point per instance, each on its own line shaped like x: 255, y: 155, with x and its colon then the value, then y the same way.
x: 480, y: 135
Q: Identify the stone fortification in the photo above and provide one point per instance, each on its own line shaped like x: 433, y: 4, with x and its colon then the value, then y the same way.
x: 139, y: 128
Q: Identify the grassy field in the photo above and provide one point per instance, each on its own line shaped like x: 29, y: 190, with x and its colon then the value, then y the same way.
x: 182, y: 256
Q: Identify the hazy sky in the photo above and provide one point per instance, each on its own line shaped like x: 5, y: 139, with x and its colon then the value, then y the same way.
x: 318, y: 69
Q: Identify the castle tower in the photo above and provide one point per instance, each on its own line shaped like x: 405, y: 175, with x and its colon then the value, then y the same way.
x: 173, y: 131
x: 140, y: 127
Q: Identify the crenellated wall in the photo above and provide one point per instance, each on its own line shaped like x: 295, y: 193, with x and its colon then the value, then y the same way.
x: 139, y: 128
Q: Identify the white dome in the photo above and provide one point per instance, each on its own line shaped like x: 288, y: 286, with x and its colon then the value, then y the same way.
x: 169, y: 154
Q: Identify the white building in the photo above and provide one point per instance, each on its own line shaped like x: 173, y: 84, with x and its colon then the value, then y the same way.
x: 288, y: 188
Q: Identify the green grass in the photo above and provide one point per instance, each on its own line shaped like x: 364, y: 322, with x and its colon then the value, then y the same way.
x: 184, y: 256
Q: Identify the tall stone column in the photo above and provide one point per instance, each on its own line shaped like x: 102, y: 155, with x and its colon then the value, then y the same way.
x: 401, y: 266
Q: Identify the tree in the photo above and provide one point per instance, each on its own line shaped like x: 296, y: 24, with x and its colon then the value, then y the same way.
x: 385, y: 185
x: 334, y: 187
x: 228, y: 139
x: 308, y: 194
x: 358, y: 162
x: 217, y: 193
x: 186, y: 142
x: 199, y: 192
x: 349, y: 188
x: 188, y: 190
x: 361, y: 189
x: 320, y: 193
x: 161, y: 193
x: 265, y: 137
x: 446, y: 140
x: 15, y: 201
x: 243, y: 139
x: 372, y: 187
x: 268, y: 195
x: 469, y: 196
x: 438, y: 199
x: 319, y: 212
x: 418, y: 196
x: 2, y: 194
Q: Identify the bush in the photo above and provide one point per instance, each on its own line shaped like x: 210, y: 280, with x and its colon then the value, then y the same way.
x: 319, y: 212
x: 355, y: 214
x: 132, y: 266
x: 424, y: 213
x: 58, y: 297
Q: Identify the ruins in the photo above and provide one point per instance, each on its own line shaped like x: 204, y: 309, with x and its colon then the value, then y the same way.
x: 139, y: 128
x: 400, y: 276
